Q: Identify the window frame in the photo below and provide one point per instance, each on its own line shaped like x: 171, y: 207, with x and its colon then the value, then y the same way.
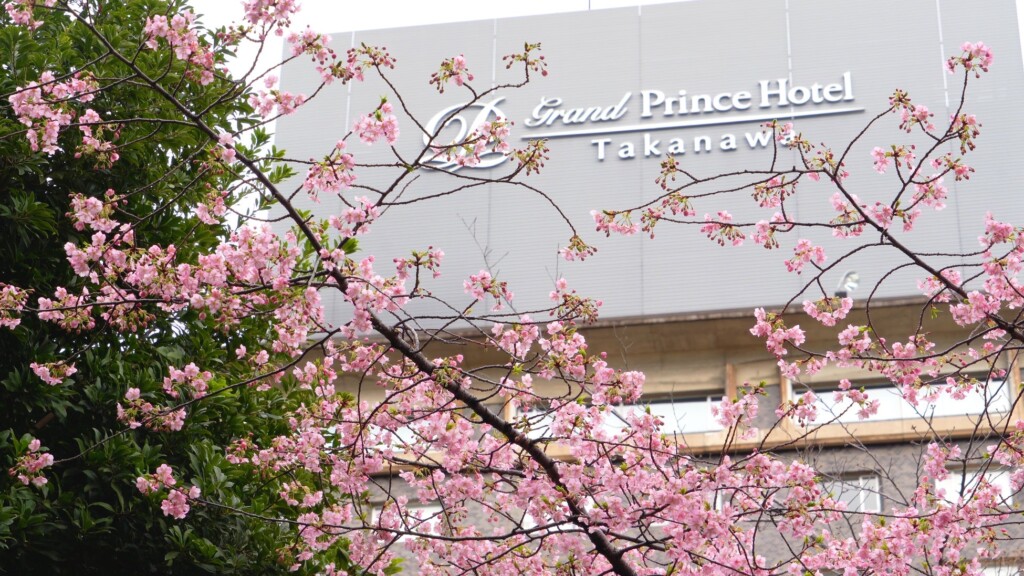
x: 866, y: 485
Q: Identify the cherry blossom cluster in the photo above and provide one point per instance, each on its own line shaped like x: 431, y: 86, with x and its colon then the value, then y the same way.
x: 94, y: 213
x: 804, y: 409
x: 274, y: 14
x: 212, y: 208
x: 517, y: 339
x: 184, y: 42
x: 21, y: 12
x: 330, y: 68
x: 824, y: 161
x: 188, y: 379
x: 176, y: 502
x: 1001, y: 272
x: 29, y: 466
x: 608, y: 221
x: 490, y: 137
x: 772, y: 328
x: 482, y: 284
x: 370, y: 293
x: 162, y: 478
x: 948, y: 164
x: 577, y: 249
x: 225, y: 148
x: 253, y: 257
x: 740, y: 413
x: 674, y: 203
x: 848, y: 223
x: 902, y: 155
x: 573, y: 306
x: 764, y: 231
x: 936, y: 289
x: 45, y: 107
x: 53, y: 373
x: 976, y: 57
x: 452, y: 69
x: 805, y: 253
x: 139, y: 412
x: 866, y: 406
x: 911, y: 115
x: 429, y: 259
x: 529, y: 58
x: 71, y: 312
x: 333, y: 174
x: 274, y: 102
x: 629, y: 488
x: 772, y: 193
x: 379, y: 124
x: 530, y: 158
x: 828, y: 310
x: 722, y: 230
x: 1010, y: 453
x: 12, y: 302
x: 104, y: 152
x: 355, y: 220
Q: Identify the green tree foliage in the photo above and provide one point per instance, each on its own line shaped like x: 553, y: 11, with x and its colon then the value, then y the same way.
x: 90, y: 517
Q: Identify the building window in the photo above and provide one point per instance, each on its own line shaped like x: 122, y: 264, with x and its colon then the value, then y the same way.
x: 680, y: 415
x: 418, y: 520
x: 995, y: 396
x: 1002, y: 570
x: 860, y: 492
x: 956, y: 485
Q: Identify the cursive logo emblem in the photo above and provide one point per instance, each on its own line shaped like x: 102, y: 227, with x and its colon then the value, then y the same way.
x: 451, y: 128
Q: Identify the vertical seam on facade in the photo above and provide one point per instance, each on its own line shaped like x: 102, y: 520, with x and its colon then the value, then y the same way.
x: 494, y: 82
x: 942, y: 52
x: 348, y: 87
x: 344, y: 130
x: 789, y: 50
x: 494, y: 54
x: 640, y: 78
x: 945, y: 93
x: 789, y: 72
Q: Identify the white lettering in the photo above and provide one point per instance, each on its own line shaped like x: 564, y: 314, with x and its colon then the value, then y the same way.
x: 702, y: 140
x: 697, y: 101
x: 682, y: 102
x: 833, y: 93
x: 617, y: 111
x: 758, y: 139
x: 600, y: 146
x: 540, y: 114
x: 728, y: 142
x: 767, y: 92
x: 670, y: 106
x: 651, y: 146
x: 649, y: 99
x: 581, y: 115
x: 723, y: 102
x: 626, y: 150
x: 741, y: 100
x: 816, y: 93
x: 676, y: 147
x: 451, y: 119
x: 799, y: 95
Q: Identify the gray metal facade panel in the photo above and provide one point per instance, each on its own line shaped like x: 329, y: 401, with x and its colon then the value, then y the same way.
x: 703, y: 48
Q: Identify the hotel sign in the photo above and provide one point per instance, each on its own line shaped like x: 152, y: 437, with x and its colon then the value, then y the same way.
x: 628, y: 88
x: 658, y: 112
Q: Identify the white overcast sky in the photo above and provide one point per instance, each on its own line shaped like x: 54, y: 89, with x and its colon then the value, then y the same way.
x: 330, y: 16
x: 347, y: 15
